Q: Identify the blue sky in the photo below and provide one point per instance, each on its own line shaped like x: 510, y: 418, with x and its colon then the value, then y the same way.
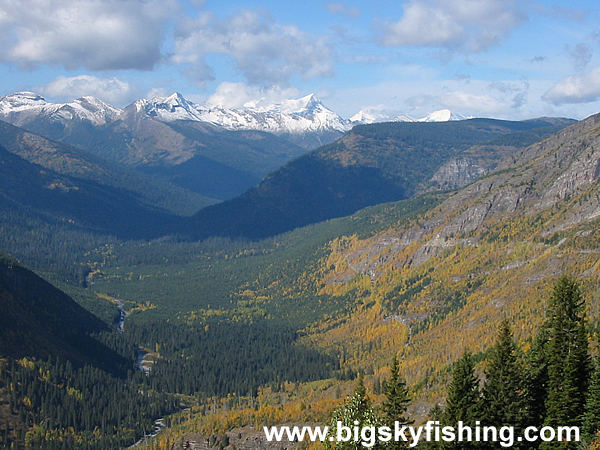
x: 510, y: 59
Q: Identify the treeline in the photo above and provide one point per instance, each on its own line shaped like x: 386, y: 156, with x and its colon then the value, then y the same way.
x: 224, y: 358
x: 554, y: 385
x: 52, y: 405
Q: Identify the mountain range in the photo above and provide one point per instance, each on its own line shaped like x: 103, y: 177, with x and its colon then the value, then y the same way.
x: 290, y: 117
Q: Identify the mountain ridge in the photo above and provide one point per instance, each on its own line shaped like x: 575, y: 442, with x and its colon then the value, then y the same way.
x: 372, y: 164
x: 294, y: 116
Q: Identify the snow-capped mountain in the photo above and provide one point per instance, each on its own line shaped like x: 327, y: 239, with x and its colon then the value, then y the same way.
x: 165, y: 109
x: 369, y: 117
x: 307, y: 114
x: 443, y: 115
x: 24, y: 107
x: 295, y: 117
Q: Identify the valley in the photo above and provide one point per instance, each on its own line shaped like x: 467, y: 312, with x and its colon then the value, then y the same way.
x: 262, y: 306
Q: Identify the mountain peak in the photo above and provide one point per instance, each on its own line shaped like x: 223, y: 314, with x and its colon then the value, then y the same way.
x: 22, y: 100
x: 443, y: 115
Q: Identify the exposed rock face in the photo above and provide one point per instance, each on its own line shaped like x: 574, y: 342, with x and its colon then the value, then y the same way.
x: 559, y: 169
x: 457, y: 173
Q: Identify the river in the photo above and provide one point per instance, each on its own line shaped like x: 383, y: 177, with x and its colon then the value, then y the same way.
x: 141, y: 353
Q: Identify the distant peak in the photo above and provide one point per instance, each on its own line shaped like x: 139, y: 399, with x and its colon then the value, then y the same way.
x: 443, y: 115
x: 27, y: 96
x: 177, y: 97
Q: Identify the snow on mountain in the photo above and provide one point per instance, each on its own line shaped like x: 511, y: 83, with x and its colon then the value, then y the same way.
x: 166, y: 109
x: 23, y: 107
x: 306, y: 114
x: 368, y: 117
x: 405, y: 118
x: 443, y: 115
x: 297, y: 116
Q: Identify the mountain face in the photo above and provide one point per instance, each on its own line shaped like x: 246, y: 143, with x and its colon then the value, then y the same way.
x: 43, y: 176
x: 290, y: 118
x: 490, y: 251
x: 40, y: 320
x: 163, y: 137
x: 370, y: 165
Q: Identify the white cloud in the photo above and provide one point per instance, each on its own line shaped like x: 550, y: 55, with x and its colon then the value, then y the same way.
x: 237, y: 95
x: 110, y: 90
x: 482, y: 104
x: 575, y: 89
x: 459, y: 25
x: 263, y: 50
x: 91, y: 34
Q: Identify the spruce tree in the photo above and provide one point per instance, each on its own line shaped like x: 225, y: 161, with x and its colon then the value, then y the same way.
x: 591, y: 416
x: 462, y: 401
x: 396, y: 402
x: 503, y: 396
x: 569, y: 363
x: 504, y: 401
x: 536, y: 380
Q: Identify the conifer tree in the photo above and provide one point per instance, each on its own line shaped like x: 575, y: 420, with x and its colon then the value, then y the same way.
x: 504, y: 401
x: 569, y: 363
x: 396, y: 402
x: 591, y: 416
x: 462, y: 401
x: 536, y: 380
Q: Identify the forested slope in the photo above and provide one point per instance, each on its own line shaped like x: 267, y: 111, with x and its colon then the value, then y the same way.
x: 369, y: 165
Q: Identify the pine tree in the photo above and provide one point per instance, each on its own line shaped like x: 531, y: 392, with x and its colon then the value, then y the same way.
x: 504, y: 400
x: 569, y: 363
x: 462, y: 401
x: 591, y: 416
x: 536, y: 379
x: 396, y: 402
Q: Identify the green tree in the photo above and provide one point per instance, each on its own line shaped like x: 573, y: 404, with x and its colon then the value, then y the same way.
x: 536, y: 379
x: 462, y: 401
x: 591, y: 416
x: 397, y: 399
x: 503, y: 394
x: 569, y: 362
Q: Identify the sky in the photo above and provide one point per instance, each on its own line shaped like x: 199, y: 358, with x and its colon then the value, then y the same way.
x: 506, y: 59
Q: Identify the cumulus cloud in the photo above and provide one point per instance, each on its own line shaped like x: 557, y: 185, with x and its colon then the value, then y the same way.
x: 460, y: 25
x: 91, y: 34
x: 110, y: 90
x: 583, y: 88
x: 237, y: 95
x: 482, y: 104
x: 263, y: 50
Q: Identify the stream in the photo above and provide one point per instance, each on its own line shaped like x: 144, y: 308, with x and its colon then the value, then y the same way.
x: 141, y: 353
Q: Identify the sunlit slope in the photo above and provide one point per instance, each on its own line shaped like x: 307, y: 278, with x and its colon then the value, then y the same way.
x: 489, y: 251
